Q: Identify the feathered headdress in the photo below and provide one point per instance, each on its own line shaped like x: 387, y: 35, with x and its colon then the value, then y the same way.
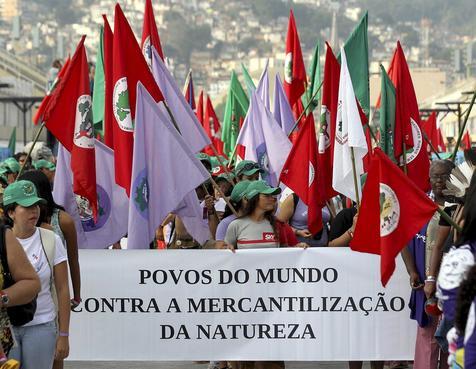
x: 458, y: 182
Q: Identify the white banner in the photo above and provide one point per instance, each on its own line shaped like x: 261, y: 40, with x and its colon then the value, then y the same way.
x: 269, y: 304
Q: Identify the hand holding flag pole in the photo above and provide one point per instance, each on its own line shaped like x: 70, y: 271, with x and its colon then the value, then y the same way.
x: 463, y: 127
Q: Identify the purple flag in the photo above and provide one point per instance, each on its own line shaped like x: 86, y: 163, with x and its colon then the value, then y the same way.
x: 282, y: 111
x: 111, y: 224
x: 164, y: 172
x: 186, y: 120
x: 265, y: 143
x: 263, y: 87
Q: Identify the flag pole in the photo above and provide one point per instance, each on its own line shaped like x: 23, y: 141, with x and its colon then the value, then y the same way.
x: 463, y: 128
x: 354, y: 171
x: 449, y: 219
x: 305, y: 109
x: 232, y: 208
x: 425, y: 136
x: 28, y: 155
x: 405, y: 170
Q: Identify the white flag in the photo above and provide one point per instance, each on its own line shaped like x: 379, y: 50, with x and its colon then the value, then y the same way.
x: 349, y: 134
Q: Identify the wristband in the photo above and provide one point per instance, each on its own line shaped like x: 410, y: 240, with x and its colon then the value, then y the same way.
x: 430, y: 279
x: 63, y: 334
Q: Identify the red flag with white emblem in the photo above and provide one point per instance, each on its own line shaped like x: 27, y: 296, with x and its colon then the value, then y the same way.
x: 150, y: 35
x: 300, y: 174
x: 393, y: 210
x: 68, y: 116
x: 294, y: 70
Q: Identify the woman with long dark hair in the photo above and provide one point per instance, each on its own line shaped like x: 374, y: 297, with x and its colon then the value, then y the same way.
x: 54, y: 217
x: 45, y: 338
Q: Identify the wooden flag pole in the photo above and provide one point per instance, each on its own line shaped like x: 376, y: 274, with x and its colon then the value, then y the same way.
x: 463, y: 127
x: 28, y: 155
x: 449, y: 219
x: 425, y: 136
x: 356, y: 184
x: 223, y: 196
x: 305, y: 109
x: 405, y: 170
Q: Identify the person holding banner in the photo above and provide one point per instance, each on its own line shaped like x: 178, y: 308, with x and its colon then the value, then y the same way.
x: 40, y: 341
x: 294, y: 211
x: 256, y: 228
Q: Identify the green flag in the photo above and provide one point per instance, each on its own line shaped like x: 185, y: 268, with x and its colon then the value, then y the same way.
x: 235, y: 110
x: 387, y: 114
x: 357, y: 53
x: 99, y: 91
x: 315, y: 75
x: 12, y: 142
x: 250, y: 85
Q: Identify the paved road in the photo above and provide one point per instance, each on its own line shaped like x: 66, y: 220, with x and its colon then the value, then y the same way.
x: 188, y: 365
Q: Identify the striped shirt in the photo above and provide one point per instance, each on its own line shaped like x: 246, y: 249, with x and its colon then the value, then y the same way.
x: 245, y: 233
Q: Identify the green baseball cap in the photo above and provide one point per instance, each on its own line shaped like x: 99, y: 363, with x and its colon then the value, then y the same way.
x: 239, y: 191
x: 42, y: 163
x: 248, y: 168
x: 10, y: 165
x: 225, y: 177
x: 257, y: 187
x: 22, y: 193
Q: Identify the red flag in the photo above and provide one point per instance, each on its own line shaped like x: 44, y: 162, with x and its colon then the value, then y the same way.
x: 294, y: 70
x: 108, y: 86
x: 189, y: 92
x: 405, y: 101
x: 393, y: 210
x: 407, y: 123
x: 129, y: 67
x: 199, y: 111
x: 300, y: 174
x: 44, y: 103
x: 211, y: 124
x: 330, y: 97
x: 433, y: 132
x: 69, y: 118
x: 150, y: 35
x: 466, y: 141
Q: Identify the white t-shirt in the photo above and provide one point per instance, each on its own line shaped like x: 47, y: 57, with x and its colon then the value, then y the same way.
x: 45, y: 307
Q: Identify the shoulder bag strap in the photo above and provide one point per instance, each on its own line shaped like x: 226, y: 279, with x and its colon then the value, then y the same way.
x: 48, y: 243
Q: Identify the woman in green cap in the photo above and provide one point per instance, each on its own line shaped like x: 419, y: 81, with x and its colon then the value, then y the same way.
x: 257, y: 228
x: 40, y: 341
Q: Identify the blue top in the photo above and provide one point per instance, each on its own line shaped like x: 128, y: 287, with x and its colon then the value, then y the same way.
x: 470, y: 339
x: 417, y: 247
x: 223, y: 226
